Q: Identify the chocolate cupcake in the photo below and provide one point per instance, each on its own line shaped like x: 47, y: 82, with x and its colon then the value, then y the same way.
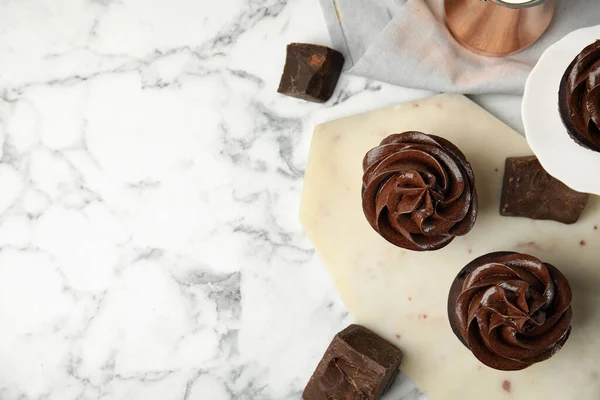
x: 418, y: 191
x: 579, y: 98
x: 511, y: 310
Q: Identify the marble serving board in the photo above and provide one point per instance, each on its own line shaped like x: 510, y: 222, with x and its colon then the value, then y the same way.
x: 402, y: 295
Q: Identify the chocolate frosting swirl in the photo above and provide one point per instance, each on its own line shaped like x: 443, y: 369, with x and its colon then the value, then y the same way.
x: 511, y: 310
x: 418, y: 191
x: 580, y: 97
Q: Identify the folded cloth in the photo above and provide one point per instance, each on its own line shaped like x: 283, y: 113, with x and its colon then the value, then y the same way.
x: 407, y: 43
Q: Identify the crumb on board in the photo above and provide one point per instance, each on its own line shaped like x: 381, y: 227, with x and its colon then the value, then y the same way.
x: 397, y: 336
x: 506, y: 386
x: 531, y: 244
x: 526, y: 244
x: 582, y: 243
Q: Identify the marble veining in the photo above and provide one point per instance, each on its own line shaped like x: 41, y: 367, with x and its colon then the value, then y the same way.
x: 151, y: 175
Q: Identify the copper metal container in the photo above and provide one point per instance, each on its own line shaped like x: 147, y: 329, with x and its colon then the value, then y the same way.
x: 498, y: 27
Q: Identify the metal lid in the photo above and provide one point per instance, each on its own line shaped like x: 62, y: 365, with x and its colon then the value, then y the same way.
x: 519, y: 3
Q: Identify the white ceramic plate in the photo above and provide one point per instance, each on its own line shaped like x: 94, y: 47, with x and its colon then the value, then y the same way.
x: 548, y: 138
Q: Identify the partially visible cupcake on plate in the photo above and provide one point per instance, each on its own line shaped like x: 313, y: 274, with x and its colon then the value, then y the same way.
x: 579, y: 98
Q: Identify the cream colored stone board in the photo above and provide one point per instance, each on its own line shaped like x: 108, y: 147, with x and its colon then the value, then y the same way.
x: 402, y: 295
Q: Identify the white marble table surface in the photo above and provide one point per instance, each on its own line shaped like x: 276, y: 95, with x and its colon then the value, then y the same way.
x: 150, y: 179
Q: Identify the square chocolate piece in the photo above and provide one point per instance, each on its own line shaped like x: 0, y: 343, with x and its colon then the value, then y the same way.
x: 358, y: 365
x: 311, y: 72
x: 529, y: 191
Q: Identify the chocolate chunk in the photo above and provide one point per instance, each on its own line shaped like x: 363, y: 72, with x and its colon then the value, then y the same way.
x: 311, y: 72
x: 358, y: 365
x: 529, y: 191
